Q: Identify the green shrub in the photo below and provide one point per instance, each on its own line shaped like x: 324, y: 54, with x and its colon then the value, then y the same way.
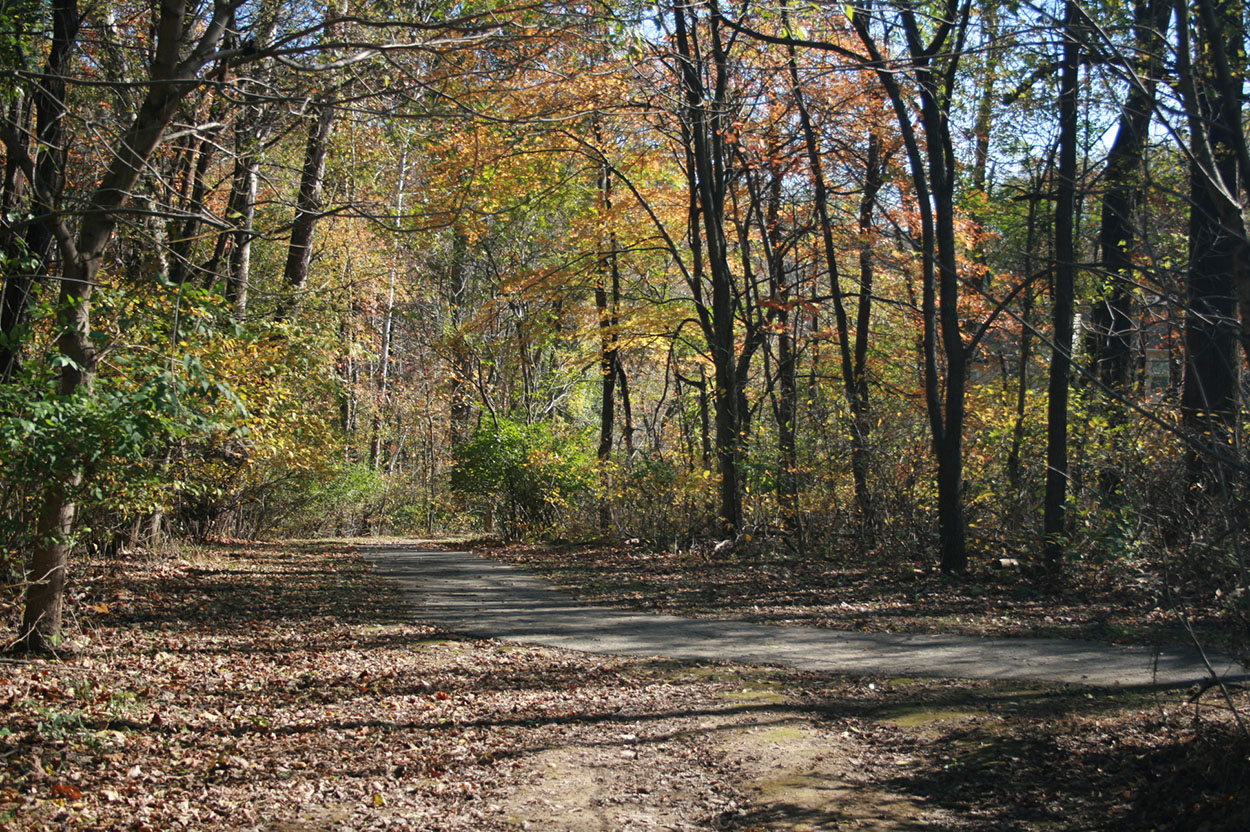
x: 526, y: 477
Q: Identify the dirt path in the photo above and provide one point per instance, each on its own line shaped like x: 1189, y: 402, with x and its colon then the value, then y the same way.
x: 472, y: 595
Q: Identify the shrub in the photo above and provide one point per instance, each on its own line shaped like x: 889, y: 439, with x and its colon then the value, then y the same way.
x: 526, y: 477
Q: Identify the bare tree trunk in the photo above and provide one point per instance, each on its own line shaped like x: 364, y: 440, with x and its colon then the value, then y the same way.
x: 1224, y: 150
x: 861, y: 424
x: 1112, y: 313
x: 783, y: 389
x: 15, y: 296
x: 183, y: 244
x: 1219, y: 258
x: 607, y: 299
x: 308, y: 207
x: 1026, y: 352
x: 607, y: 408
x: 1063, y: 281
x: 702, y: 124
x: 933, y: 61
x: 627, y: 410
x: 850, y: 384
x: 388, y: 321
x: 47, y: 180
x: 459, y: 400
x: 243, y: 212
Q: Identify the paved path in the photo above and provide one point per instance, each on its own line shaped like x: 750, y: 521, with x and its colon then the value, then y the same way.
x: 468, y: 594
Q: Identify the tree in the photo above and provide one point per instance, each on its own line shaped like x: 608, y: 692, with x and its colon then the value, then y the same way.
x: 933, y: 59
x: 1063, y: 283
x: 181, y: 51
x: 28, y: 257
x: 1111, y: 326
x: 702, y: 62
x: 309, y: 205
x: 1219, y: 256
x: 853, y: 364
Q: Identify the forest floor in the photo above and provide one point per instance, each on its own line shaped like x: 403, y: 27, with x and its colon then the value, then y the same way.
x: 286, y: 688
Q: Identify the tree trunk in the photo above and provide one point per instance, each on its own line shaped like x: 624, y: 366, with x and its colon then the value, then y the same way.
x: 50, y: 110
x: 785, y: 401
x: 702, y: 120
x: 861, y: 424
x: 627, y: 410
x: 388, y: 322
x: 1111, y: 316
x: 850, y: 385
x: 607, y: 409
x: 1226, y: 154
x: 1219, y: 259
x: 607, y: 299
x: 1014, y: 474
x: 933, y: 169
x: 243, y: 212
x: 459, y: 400
x: 1063, y: 273
x: 183, y: 245
x: 308, y: 207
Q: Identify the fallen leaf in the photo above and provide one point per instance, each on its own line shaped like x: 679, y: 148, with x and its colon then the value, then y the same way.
x: 67, y: 791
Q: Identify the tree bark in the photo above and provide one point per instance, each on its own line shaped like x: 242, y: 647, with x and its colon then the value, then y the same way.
x: 459, y: 401
x: 1063, y: 273
x: 702, y: 121
x: 861, y: 424
x: 607, y: 298
x: 183, y: 244
x: 1226, y: 155
x: 50, y: 110
x: 1219, y: 258
x: 933, y: 62
x: 851, y: 386
x: 388, y: 323
x: 1112, y: 312
x: 308, y: 207
x: 242, y: 208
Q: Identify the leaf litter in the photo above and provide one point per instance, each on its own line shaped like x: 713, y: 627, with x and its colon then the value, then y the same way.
x: 288, y: 689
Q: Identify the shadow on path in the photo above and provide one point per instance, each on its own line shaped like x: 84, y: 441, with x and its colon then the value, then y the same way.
x: 472, y: 595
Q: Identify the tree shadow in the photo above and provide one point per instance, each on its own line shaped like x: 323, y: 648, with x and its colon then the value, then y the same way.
x: 1016, y: 756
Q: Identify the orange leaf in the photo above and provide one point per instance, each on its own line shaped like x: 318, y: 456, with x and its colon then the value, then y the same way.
x: 67, y: 791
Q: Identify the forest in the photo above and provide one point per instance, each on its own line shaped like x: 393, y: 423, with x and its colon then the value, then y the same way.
x: 925, y: 287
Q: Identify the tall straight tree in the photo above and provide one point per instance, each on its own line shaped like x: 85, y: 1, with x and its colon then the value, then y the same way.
x: 854, y: 382
x: 700, y: 55
x: 1111, y: 324
x: 30, y: 259
x: 607, y: 306
x: 1211, y: 65
x: 926, y: 72
x: 933, y: 51
x: 308, y: 205
x: 1063, y: 288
